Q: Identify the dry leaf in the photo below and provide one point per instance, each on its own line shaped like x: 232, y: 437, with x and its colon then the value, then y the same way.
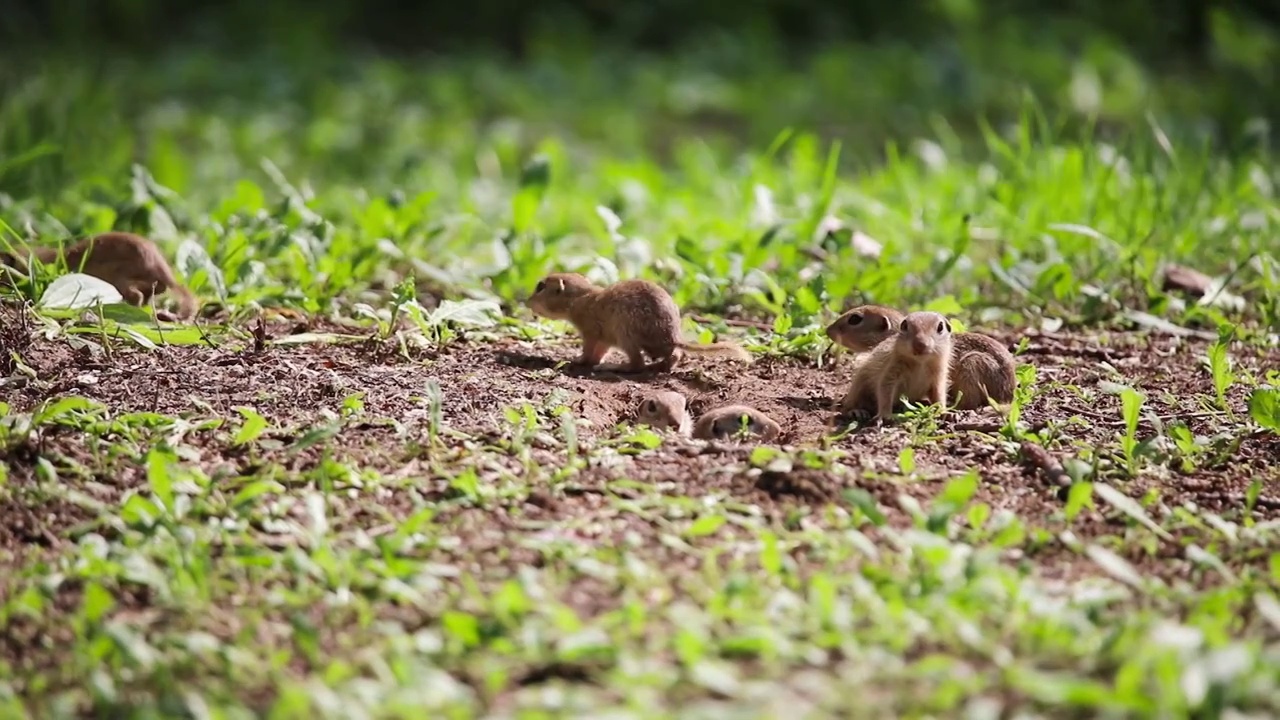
x: 865, y: 245
x: 1177, y: 277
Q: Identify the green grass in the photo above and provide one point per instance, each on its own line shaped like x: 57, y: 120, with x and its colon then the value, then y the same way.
x: 233, y: 561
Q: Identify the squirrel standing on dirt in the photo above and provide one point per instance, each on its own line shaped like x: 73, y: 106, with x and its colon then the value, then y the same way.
x: 915, y: 362
x: 637, y: 316
x: 130, y: 263
x: 981, y: 367
x: 667, y: 409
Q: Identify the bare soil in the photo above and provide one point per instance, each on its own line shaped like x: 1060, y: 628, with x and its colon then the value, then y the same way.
x: 299, y: 388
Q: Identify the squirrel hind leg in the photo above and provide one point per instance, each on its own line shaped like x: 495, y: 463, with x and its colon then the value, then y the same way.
x: 635, y: 359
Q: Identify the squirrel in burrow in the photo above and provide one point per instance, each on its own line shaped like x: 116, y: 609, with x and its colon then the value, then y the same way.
x: 668, y: 409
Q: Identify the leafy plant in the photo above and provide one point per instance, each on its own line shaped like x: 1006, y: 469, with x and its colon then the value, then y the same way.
x: 1131, y: 407
x: 1220, y: 366
x: 1264, y: 408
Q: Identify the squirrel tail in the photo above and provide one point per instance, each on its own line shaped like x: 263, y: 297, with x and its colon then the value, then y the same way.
x: 725, y: 348
x: 187, y: 303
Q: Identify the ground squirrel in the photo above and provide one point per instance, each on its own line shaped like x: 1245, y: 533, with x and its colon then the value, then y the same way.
x: 733, y: 421
x: 636, y: 316
x: 914, y: 362
x: 981, y: 367
x: 667, y: 409
x: 130, y: 263
x: 664, y: 409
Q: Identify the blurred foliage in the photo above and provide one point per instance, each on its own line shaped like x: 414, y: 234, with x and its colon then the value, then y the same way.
x: 864, y: 68
x: 1152, y: 29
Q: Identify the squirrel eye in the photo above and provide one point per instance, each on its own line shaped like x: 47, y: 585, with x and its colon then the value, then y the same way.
x: 855, y: 319
x: 542, y: 285
x: 650, y: 406
x: 942, y: 326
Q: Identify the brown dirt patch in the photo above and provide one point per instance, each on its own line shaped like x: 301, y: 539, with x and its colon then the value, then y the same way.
x: 614, y: 493
x: 302, y: 387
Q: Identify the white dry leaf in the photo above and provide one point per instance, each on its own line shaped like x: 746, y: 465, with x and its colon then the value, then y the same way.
x: 611, y: 220
x: 829, y: 224
x: 765, y: 213
x: 1115, y: 566
x: 473, y: 313
x: 77, y: 290
x: 865, y: 245
x: 192, y: 257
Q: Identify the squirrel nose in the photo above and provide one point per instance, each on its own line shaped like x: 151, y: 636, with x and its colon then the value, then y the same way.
x: 918, y: 347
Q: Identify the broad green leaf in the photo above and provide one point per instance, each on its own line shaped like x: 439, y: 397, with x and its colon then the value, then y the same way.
x: 1130, y: 507
x: 862, y: 500
x: 1131, y: 404
x: 960, y: 490
x: 462, y: 626
x: 97, y: 602
x: 138, y: 510
x: 51, y: 411
x: 1264, y: 408
x: 1079, y: 497
x: 126, y: 313
x: 160, y: 476
x: 138, y: 337
x: 705, y: 525
x: 770, y: 554
x: 255, y: 490
x: 252, y: 428
x: 314, y: 436
x: 907, y: 461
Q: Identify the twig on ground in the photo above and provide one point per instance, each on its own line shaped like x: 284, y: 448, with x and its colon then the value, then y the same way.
x: 1040, y: 459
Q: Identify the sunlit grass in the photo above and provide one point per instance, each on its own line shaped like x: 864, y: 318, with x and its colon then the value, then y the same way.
x: 242, y: 564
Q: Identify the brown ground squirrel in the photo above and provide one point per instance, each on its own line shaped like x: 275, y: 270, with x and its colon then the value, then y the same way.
x: 130, y: 263
x: 915, y: 362
x: 637, y: 316
x: 981, y: 366
x: 664, y: 409
x: 733, y: 421
x: 667, y: 409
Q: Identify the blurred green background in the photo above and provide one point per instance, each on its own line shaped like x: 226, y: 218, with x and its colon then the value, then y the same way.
x: 631, y: 74
x: 308, y: 152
